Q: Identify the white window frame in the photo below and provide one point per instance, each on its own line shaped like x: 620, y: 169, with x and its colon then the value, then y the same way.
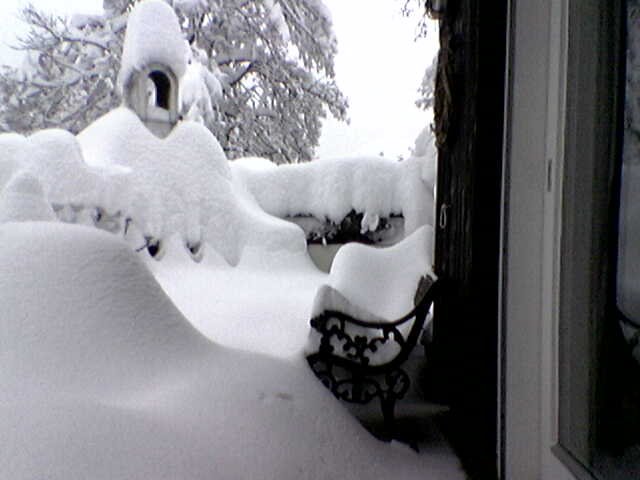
x: 533, y: 172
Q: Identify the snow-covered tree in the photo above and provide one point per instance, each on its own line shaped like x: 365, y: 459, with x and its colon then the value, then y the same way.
x: 260, y: 75
x: 426, y: 91
x: 68, y: 74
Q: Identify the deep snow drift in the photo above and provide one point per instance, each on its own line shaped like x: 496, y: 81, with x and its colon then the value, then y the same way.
x: 103, y: 378
x: 263, y: 304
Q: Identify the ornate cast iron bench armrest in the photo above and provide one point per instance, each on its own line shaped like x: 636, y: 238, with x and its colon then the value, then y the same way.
x: 361, y: 359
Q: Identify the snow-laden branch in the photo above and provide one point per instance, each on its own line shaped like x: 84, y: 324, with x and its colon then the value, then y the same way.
x: 260, y: 65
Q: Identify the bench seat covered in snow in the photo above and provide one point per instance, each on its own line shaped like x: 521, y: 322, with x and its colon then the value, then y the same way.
x: 357, y: 351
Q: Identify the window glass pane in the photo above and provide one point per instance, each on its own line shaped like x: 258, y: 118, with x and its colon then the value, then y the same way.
x: 628, y: 297
x: 599, y: 361
x: 617, y: 454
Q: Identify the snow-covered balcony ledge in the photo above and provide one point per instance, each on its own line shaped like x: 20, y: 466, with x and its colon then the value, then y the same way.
x: 369, y: 200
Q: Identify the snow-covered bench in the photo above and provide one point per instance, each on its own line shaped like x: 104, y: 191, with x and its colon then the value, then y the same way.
x: 366, y: 322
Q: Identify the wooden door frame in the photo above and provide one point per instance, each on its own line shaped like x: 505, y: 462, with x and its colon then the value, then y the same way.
x: 469, y: 119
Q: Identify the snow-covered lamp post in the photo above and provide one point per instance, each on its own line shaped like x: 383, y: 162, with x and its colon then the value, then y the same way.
x: 154, y: 58
x: 153, y: 94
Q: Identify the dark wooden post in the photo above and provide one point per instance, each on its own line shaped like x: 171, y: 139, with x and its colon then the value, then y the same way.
x: 469, y: 113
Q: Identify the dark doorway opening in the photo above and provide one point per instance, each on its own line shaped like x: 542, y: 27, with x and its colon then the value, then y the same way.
x: 163, y: 88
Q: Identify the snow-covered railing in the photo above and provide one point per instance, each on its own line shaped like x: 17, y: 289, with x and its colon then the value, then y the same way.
x: 369, y: 199
x: 118, y: 176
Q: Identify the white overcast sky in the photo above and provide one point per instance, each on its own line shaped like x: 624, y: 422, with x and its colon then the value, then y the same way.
x: 379, y: 67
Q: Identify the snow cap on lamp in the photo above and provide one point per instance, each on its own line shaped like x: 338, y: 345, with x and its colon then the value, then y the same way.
x: 154, y: 57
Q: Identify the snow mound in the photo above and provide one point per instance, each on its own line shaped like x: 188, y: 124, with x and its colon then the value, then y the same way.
x: 182, y: 185
x: 263, y: 304
x: 54, y: 158
x: 264, y: 239
x: 12, y: 147
x: 23, y: 200
x: 387, y: 278
x: 81, y: 311
x: 102, y: 378
x: 330, y: 189
x: 153, y: 36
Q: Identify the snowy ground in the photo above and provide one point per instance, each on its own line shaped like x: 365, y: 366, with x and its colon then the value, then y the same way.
x: 265, y: 301
x: 104, y: 378
x: 117, y: 365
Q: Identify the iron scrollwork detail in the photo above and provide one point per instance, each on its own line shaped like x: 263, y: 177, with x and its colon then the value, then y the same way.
x: 359, y: 361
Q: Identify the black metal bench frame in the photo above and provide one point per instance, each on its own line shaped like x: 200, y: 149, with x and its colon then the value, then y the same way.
x: 350, y: 376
